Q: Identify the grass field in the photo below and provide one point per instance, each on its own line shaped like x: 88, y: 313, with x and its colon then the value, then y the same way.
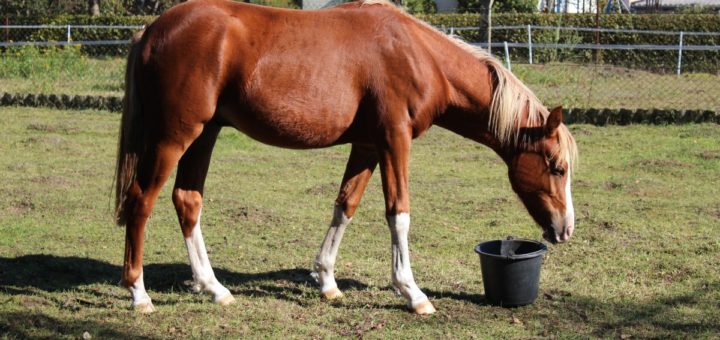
x: 61, y: 72
x: 588, y: 86
x: 569, y: 85
x: 642, y: 263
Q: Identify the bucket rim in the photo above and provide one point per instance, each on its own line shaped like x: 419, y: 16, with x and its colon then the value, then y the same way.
x: 540, y: 252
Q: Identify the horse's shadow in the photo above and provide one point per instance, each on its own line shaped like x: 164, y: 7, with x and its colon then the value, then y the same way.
x: 28, y: 274
x: 49, y: 273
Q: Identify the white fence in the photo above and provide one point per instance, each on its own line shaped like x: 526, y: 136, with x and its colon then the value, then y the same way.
x: 60, y: 35
x: 678, y: 47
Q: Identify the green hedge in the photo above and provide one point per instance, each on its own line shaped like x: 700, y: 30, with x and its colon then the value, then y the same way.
x: 80, y: 34
x: 698, y: 61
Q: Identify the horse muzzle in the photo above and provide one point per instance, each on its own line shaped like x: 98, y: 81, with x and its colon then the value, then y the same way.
x: 558, y: 235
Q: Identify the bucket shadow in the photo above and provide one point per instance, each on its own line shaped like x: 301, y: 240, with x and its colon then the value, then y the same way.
x: 478, y: 299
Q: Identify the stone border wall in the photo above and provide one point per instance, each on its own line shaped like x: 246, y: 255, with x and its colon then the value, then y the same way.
x: 62, y: 101
x: 599, y: 117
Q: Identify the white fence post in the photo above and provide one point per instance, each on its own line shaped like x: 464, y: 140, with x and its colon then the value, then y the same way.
x: 680, y: 47
x: 530, y: 51
x: 507, y: 56
x: 69, y: 38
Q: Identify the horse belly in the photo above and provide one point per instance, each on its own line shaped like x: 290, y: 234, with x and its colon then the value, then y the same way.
x: 297, y: 91
x: 289, y: 128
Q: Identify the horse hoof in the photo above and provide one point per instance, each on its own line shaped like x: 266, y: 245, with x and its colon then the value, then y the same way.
x: 423, y: 308
x: 226, y: 300
x: 144, y: 308
x: 332, y: 294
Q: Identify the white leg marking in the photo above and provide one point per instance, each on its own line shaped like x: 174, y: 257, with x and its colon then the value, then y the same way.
x: 141, y: 300
x: 569, y: 213
x: 203, y: 275
x: 402, y: 275
x: 324, y: 264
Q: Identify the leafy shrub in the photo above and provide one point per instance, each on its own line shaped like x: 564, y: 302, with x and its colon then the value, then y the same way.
x: 42, y: 62
x: 701, y: 61
x: 37, y: 8
x: 499, y: 6
x: 420, y: 6
x: 515, y: 6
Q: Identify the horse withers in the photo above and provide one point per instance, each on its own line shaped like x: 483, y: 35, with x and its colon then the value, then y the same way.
x: 363, y: 73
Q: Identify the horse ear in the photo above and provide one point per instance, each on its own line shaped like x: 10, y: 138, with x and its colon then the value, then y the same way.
x: 553, y: 120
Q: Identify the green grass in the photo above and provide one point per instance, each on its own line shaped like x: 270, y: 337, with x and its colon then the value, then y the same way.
x: 60, y: 70
x: 618, y: 87
x: 642, y: 262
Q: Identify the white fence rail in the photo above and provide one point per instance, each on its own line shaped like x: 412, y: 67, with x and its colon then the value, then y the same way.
x: 7, y: 32
x: 680, y: 46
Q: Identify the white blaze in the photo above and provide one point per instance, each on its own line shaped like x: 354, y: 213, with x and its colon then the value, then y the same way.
x: 569, y: 212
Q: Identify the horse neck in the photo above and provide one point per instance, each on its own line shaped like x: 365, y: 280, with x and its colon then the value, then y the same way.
x: 471, y: 94
x: 472, y: 82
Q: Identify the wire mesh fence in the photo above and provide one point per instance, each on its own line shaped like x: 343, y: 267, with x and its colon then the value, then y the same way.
x: 94, y: 40
x: 657, y: 51
x: 573, y: 67
x: 610, y: 68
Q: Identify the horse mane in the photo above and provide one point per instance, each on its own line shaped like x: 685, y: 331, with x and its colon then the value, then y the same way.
x: 510, y: 98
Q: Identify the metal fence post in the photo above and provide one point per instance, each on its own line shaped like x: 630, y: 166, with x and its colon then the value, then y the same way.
x: 68, y: 34
x: 507, y: 56
x: 680, y: 47
x: 530, y: 54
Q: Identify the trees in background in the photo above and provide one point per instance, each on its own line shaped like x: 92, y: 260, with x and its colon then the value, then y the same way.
x: 44, y: 8
x: 507, y: 6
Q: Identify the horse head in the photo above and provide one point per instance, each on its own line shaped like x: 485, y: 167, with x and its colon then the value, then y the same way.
x: 539, y: 172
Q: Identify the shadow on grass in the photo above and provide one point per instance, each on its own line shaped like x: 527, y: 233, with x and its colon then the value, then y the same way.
x: 478, y: 299
x: 25, y: 274
x: 688, y: 315
x: 35, y: 325
x: 684, y: 315
x: 695, y: 313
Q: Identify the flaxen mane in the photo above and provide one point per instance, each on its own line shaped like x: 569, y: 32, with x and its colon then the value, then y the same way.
x: 510, y: 99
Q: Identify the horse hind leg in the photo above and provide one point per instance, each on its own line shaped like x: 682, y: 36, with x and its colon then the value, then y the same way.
x: 358, y: 171
x: 187, y: 198
x: 153, y: 172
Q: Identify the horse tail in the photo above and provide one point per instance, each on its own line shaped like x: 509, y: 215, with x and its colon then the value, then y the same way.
x: 130, y: 140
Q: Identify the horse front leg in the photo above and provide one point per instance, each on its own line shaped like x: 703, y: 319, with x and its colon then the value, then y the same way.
x: 358, y: 171
x: 394, y: 161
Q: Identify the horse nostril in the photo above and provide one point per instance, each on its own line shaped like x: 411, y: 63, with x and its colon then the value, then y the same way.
x: 567, y: 232
x: 550, y: 237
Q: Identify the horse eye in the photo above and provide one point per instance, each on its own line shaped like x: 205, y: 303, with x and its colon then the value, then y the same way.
x: 557, y: 171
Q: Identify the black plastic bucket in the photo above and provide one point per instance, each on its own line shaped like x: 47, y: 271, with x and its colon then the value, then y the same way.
x: 511, y: 270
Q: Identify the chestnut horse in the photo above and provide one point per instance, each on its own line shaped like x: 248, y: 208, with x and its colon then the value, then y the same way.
x: 363, y: 73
